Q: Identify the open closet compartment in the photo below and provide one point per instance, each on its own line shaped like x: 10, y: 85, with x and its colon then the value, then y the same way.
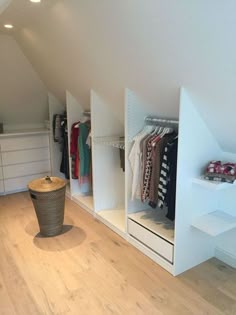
x: 82, y: 194
x: 148, y: 229
x: 205, y: 210
x: 108, y: 165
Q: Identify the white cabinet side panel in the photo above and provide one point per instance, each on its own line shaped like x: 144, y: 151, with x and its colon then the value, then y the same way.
x: 135, y: 112
x: 196, y: 147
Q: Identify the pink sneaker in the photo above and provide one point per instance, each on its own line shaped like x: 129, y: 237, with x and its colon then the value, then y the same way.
x: 214, y: 167
x: 228, y: 169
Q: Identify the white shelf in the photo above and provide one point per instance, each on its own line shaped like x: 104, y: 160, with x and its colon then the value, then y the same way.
x: 212, y: 184
x: 215, y: 223
x: 114, y: 216
x: 155, y: 221
x: 84, y: 201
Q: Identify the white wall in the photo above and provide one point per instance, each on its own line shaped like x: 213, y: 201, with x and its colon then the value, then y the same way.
x: 23, y: 97
x: 150, y: 46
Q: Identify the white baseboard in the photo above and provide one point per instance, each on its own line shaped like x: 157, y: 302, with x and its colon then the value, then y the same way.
x: 226, y: 257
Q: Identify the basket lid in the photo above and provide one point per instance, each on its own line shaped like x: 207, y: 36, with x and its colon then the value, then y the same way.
x: 46, y: 184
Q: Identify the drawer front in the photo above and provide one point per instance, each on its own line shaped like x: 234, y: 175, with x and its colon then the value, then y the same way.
x: 16, y: 184
x: 25, y: 142
x: 153, y: 241
x: 25, y: 156
x: 32, y: 168
x: 1, y: 187
x: 1, y: 173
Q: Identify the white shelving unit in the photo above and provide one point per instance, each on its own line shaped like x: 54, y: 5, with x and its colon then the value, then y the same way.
x: 212, y: 184
x: 205, y: 220
x: 215, y: 223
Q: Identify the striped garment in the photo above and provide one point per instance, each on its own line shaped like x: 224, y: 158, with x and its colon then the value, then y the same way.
x: 163, y: 181
x: 167, y: 182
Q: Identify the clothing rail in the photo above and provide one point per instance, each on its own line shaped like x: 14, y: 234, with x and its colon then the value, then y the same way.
x: 155, y: 120
x: 87, y: 113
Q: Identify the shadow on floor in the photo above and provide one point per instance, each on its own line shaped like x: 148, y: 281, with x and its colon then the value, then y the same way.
x: 71, y: 237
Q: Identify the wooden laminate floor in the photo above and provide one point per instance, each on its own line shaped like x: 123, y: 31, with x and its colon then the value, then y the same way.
x: 91, y: 270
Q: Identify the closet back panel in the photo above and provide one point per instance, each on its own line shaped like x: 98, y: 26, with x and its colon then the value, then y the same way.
x: 196, y: 147
x: 108, y: 178
x: 55, y: 107
x: 74, y: 113
x: 104, y: 122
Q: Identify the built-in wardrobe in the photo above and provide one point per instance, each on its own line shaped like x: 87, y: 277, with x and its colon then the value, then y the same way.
x: 205, y: 222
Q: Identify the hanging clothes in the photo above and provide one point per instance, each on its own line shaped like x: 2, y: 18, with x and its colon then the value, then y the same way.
x: 136, y: 162
x: 167, y: 183
x: 84, y: 153
x: 64, y: 168
x: 57, y: 128
x: 158, y: 146
x: 74, y: 153
x: 150, y: 148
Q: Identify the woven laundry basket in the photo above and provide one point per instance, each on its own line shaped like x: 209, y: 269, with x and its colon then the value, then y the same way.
x: 48, y: 197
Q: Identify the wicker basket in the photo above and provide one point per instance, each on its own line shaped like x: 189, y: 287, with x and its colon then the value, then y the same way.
x: 48, y: 197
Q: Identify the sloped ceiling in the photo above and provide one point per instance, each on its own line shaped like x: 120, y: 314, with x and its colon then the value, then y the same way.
x: 150, y: 46
x: 23, y: 96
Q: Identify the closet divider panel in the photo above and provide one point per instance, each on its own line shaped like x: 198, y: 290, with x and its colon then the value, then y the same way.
x: 74, y: 113
x: 135, y: 112
x: 196, y: 148
x: 55, y: 107
x: 108, y: 177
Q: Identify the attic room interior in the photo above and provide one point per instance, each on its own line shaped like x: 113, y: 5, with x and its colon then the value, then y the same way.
x: 117, y: 157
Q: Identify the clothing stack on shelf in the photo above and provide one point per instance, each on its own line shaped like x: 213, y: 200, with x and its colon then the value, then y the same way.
x: 221, y: 172
x: 60, y: 135
x: 80, y: 152
x: 153, y: 159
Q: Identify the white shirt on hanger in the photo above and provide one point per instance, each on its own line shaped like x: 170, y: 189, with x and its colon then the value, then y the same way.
x: 135, y: 158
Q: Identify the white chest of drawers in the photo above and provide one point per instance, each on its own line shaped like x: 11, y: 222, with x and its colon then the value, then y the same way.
x: 24, y: 156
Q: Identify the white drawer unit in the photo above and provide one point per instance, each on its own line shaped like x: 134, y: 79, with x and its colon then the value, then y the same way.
x: 24, y: 142
x: 12, y: 171
x: 20, y: 183
x: 25, y: 156
x: 151, y: 240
